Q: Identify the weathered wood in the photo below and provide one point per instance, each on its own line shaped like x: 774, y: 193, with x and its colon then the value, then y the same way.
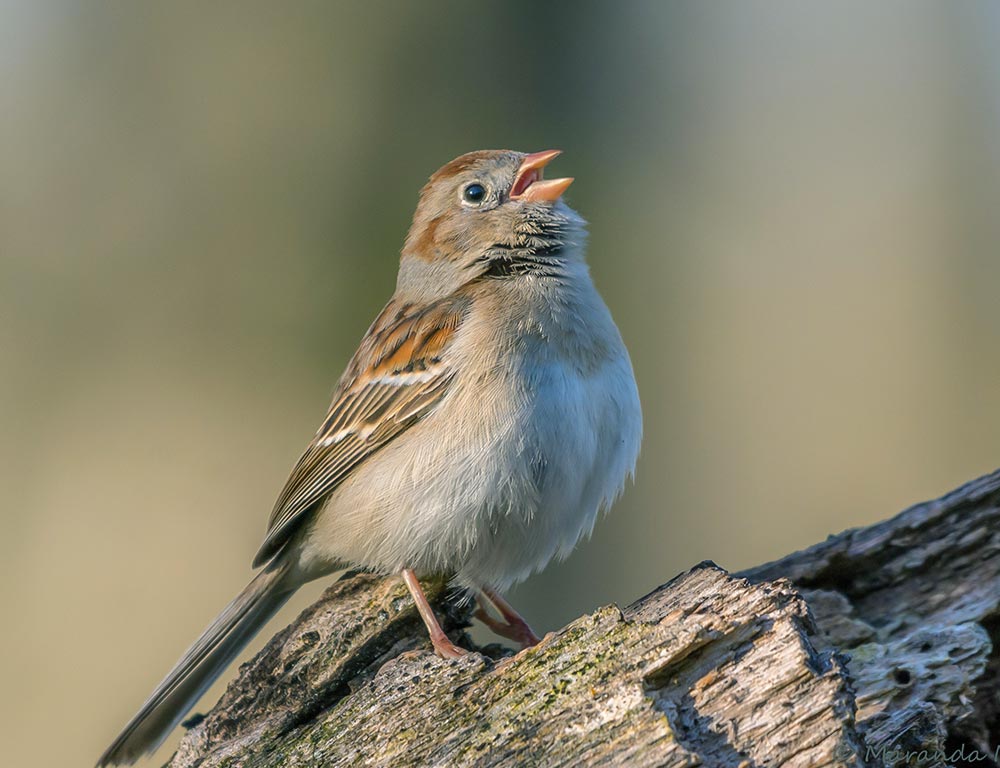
x: 913, y: 602
x: 862, y: 650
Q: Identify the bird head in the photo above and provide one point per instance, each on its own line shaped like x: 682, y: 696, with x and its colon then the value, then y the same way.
x: 490, y: 213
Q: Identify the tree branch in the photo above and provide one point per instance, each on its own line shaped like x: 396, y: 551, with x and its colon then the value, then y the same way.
x: 863, y: 650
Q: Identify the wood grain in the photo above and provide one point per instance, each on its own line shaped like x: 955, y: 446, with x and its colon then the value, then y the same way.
x: 874, y: 647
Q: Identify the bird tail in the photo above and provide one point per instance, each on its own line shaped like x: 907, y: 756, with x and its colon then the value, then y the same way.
x: 200, y: 665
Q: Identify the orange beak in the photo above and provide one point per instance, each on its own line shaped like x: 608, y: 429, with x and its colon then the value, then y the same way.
x: 529, y: 185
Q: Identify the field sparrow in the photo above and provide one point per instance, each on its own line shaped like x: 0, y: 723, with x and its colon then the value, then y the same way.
x: 489, y: 413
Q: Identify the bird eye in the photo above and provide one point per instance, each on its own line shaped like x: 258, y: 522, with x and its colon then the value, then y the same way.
x: 474, y: 193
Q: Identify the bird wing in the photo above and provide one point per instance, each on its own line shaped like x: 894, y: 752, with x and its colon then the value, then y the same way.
x: 396, y: 377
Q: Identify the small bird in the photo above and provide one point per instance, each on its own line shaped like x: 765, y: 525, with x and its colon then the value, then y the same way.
x: 488, y: 415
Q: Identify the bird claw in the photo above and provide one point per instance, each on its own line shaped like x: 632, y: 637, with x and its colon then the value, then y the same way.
x: 446, y: 649
x: 516, y: 629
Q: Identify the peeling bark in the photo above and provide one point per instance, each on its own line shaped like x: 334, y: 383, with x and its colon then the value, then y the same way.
x: 913, y: 604
x: 872, y: 648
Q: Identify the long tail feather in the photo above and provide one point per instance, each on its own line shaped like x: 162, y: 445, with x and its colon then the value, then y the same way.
x: 198, y: 668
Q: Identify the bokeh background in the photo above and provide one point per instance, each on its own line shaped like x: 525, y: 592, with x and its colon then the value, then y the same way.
x: 794, y: 217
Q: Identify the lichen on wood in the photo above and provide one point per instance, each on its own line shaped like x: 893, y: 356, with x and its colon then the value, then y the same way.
x: 874, y: 647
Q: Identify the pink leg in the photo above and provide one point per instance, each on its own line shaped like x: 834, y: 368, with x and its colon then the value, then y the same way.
x: 444, y: 647
x: 513, y: 627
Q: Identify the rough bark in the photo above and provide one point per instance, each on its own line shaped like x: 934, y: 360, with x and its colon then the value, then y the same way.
x: 872, y: 648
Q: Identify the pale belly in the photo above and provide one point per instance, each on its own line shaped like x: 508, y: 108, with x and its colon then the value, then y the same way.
x: 498, y: 480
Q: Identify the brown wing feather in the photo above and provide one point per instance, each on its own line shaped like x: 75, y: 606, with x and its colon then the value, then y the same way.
x: 394, y: 379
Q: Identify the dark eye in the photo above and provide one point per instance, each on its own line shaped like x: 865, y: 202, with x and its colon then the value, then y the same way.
x: 474, y: 193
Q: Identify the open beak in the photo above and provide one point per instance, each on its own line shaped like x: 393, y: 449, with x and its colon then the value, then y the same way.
x: 529, y: 185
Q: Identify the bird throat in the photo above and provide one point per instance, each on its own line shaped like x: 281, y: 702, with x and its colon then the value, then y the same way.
x: 504, y: 262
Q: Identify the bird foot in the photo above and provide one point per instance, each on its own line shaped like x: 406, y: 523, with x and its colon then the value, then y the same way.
x: 446, y: 649
x: 516, y: 629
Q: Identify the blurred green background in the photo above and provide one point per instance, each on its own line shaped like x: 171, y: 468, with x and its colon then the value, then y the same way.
x: 794, y: 217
